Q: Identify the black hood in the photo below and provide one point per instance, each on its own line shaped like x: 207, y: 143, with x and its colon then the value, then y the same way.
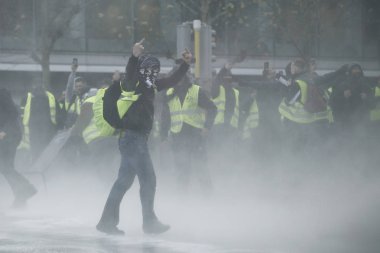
x: 148, y: 61
x: 353, y: 66
x: 148, y: 68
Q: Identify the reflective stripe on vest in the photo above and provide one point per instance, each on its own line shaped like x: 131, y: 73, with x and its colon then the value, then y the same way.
x: 252, y: 120
x: 375, y: 113
x: 74, y: 107
x: 296, y: 112
x: 25, y: 143
x: 189, y: 112
x: 220, y: 103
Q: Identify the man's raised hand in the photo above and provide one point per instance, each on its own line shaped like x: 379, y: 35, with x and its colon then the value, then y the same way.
x: 187, y: 56
x: 138, y: 48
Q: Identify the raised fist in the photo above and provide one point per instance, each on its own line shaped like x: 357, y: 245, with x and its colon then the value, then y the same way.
x: 187, y: 56
x: 138, y: 48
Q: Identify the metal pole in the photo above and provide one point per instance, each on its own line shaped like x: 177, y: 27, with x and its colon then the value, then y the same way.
x: 197, y: 28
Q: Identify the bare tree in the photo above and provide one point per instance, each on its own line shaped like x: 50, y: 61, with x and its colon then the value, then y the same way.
x: 55, y: 19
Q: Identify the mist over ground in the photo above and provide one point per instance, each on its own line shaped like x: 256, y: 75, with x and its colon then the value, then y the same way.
x: 312, y: 189
x: 323, y: 201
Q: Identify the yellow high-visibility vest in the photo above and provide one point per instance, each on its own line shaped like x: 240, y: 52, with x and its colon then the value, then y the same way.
x: 91, y: 132
x: 220, y: 102
x: 252, y: 120
x: 75, y: 106
x: 189, y: 112
x: 25, y: 143
x: 297, y: 113
x: 375, y: 113
x: 123, y: 104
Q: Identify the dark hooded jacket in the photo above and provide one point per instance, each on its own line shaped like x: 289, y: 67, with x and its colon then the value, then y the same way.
x: 140, y: 115
x: 354, y: 108
x: 9, y: 120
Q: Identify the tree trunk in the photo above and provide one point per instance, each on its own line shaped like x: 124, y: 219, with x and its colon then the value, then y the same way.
x: 45, y: 65
x: 205, y: 7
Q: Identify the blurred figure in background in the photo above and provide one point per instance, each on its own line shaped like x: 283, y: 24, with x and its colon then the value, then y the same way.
x: 305, y: 111
x: 375, y: 112
x: 93, y: 149
x: 268, y: 98
x: 351, y: 101
x: 10, y: 137
x: 42, y: 118
x: 75, y: 89
x: 226, y: 99
x: 188, y: 115
x: 225, y: 133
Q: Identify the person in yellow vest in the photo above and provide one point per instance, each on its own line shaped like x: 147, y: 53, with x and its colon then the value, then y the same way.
x: 86, y: 143
x: 188, y: 116
x: 42, y: 118
x: 226, y: 99
x: 375, y: 112
x: 128, y: 106
x: 224, y: 138
x: 10, y: 137
x: 76, y: 87
x: 304, y: 110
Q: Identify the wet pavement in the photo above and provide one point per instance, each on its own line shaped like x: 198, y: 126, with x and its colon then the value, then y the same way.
x: 43, y: 234
x: 323, y: 215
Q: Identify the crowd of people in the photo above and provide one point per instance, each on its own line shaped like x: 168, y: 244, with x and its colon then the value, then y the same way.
x: 297, y: 109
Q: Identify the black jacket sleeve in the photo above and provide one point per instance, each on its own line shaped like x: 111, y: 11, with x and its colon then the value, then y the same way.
x: 110, y: 111
x: 131, y: 78
x: 205, y: 103
x: 112, y: 94
x: 331, y: 78
x: 9, y: 120
x: 168, y: 82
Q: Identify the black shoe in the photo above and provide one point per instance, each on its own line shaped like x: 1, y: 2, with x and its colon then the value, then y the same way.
x: 154, y: 227
x: 110, y: 230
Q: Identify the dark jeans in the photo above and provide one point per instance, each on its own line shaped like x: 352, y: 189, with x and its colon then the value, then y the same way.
x: 20, y: 186
x: 135, y: 160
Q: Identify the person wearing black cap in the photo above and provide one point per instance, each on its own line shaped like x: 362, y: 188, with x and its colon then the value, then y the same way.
x: 136, y: 93
x: 10, y: 137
